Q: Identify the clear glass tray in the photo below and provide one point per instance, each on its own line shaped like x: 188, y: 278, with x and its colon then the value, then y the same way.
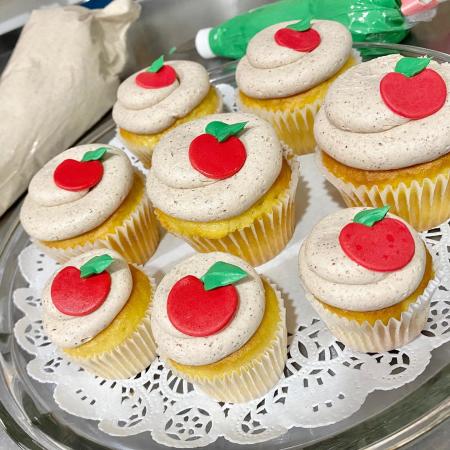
x: 33, y: 420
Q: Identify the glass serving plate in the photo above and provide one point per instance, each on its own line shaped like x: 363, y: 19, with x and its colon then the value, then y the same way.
x: 32, y: 419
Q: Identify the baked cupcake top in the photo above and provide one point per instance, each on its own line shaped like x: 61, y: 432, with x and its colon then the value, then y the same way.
x: 195, y: 176
x: 85, y: 296
x: 206, y: 308
x: 291, y: 57
x: 361, y: 260
x: 388, y: 113
x: 76, y: 191
x: 152, y: 99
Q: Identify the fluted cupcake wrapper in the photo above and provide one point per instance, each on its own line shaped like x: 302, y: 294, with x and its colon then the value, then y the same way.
x: 264, y: 238
x: 125, y: 361
x: 294, y: 127
x: 136, y: 239
x: 379, y: 337
x: 424, y: 203
x: 129, y: 358
x: 256, y: 378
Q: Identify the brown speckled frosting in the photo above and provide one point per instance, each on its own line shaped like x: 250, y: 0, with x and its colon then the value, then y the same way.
x: 176, y: 188
x: 197, y: 351
x: 71, y: 331
x: 269, y: 70
x: 149, y: 111
x: 50, y: 213
x: 332, y: 277
x: 355, y: 126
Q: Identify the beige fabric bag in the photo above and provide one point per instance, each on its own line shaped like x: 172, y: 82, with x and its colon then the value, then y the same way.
x: 60, y: 80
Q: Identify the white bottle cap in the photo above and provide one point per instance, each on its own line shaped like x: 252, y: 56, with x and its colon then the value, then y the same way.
x: 202, y: 43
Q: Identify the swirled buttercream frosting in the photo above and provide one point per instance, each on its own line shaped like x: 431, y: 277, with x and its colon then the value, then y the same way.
x: 269, y: 70
x: 178, y: 189
x: 149, y: 111
x: 68, y: 331
x: 186, y: 349
x: 51, y: 213
x: 357, y: 128
x: 333, y: 278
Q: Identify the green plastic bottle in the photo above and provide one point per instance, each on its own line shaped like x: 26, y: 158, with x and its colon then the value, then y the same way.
x: 367, y: 20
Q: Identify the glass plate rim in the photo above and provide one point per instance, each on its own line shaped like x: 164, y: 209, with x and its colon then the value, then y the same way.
x: 404, y: 429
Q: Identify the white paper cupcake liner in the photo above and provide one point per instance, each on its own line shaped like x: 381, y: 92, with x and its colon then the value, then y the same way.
x: 265, y: 237
x: 136, y: 239
x: 257, y: 377
x: 379, y: 337
x: 424, y: 204
x: 129, y: 358
x: 294, y: 127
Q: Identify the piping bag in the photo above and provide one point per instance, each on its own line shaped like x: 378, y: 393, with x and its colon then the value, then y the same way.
x: 60, y: 80
x: 385, y: 21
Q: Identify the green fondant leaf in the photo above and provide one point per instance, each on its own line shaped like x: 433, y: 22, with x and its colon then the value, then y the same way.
x: 222, y: 131
x: 411, y: 66
x: 96, y: 265
x: 172, y: 51
x: 222, y: 274
x: 301, y: 25
x: 94, y: 154
x: 156, y: 65
x: 369, y: 217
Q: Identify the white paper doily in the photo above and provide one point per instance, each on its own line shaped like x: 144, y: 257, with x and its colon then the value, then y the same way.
x: 323, y: 381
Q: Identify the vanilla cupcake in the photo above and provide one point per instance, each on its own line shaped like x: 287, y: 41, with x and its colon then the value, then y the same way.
x: 383, y: 136
x: 90, y: 197
x: 221, y: 184
x: 96, y: 310
x: 220, y: 326
x: 286, y: 72
x: 159, y: 98
x: 370, y: 278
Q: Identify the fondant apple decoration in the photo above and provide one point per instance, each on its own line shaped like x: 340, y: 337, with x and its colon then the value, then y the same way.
x: 218, y: 153
x: 203, y: 306
x: 79, y: 292
x: 298, y: 36
x: 377, y: 242
x: 413, y: 91
x: 73, y: 175
x: 156, y: 76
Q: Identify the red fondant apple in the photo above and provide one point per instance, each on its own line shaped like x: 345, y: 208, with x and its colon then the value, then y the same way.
x: 301, y: 41
x: 383, y: 247
x: 73, y: 175
x: 414, y: 97
x: 197, y: 312
x: 217, y: 160
x: 76, y: 296
x: 165, y: 76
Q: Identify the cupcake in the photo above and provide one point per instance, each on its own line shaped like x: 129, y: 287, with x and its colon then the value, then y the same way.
x: 96, y: 310
x: 286, y: 72
x: 221, y: 184
x: 218, y: 325
x: 155, y: 100
x: 383, y: 136
x: 370, y: 278
x: 90, y: 197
